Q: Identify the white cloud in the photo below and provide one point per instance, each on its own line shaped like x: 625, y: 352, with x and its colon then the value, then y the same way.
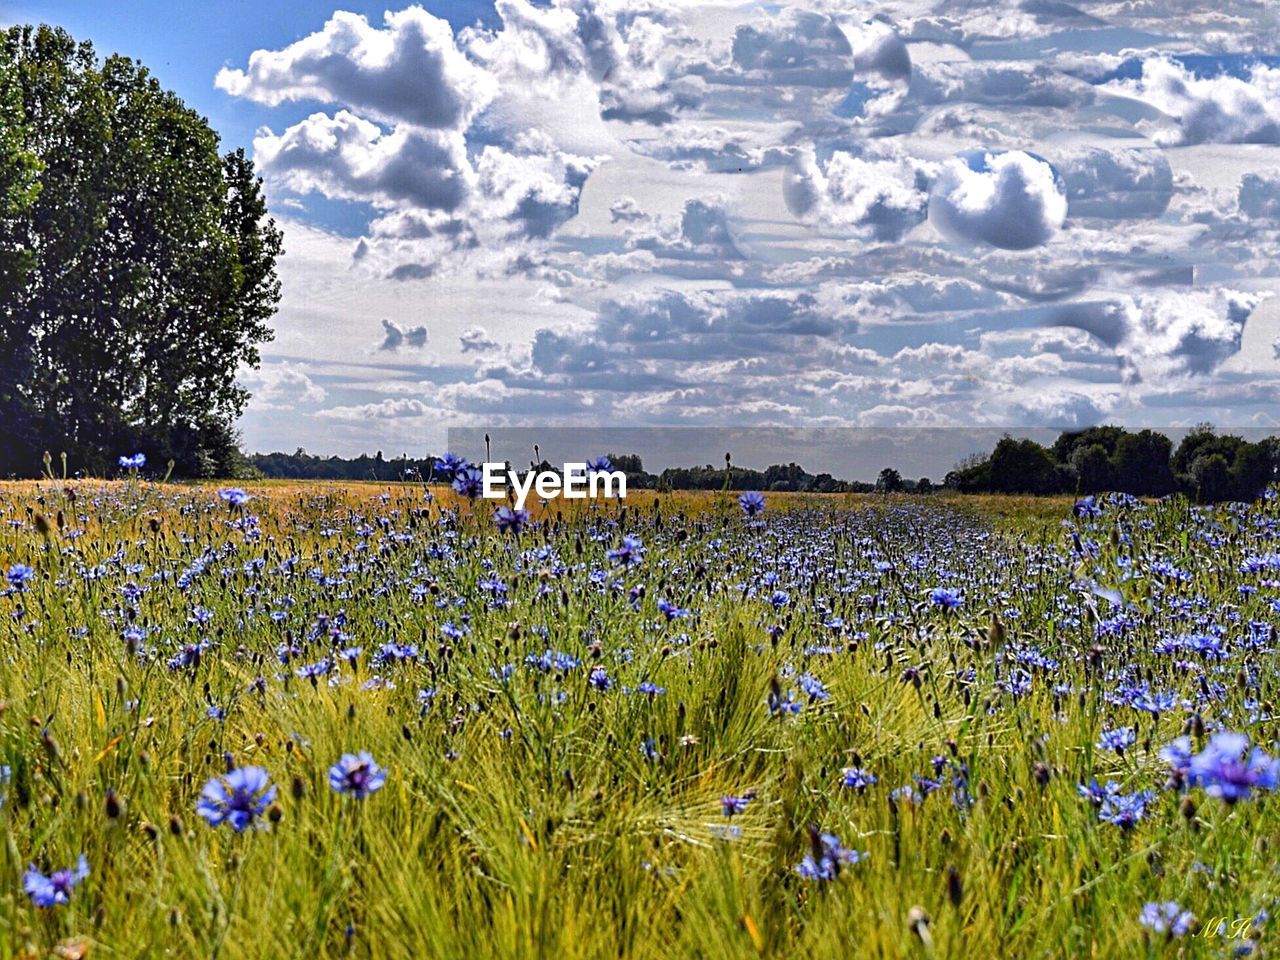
x: 997, y: 82
x: 476, y: 340
x: 391, y: 408
x: 1259, y: 195
x: 396, y: 336
x: 701, y: 233
x: 349, y: 158
x: 280, y: 386
x: 1216, y: 109
x: 876, y: 199
x: 1167, y: 333
x: 1115, y: 183
x: 410, y: 72
x: 1012, y: 200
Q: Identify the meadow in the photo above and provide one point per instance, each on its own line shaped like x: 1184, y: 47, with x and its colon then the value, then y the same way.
x: 307, y: 720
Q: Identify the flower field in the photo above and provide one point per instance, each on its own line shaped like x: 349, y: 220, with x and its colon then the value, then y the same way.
x: 301, y: 720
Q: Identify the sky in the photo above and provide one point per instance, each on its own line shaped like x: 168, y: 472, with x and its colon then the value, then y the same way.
x: 618, y: 214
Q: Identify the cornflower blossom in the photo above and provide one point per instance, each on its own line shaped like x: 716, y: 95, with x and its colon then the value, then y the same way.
x: 1167, y: 918
x: 945, y: 598
x: 630, y: 551
x: 510, y: 519
x: 1226, y: 768
x: 1117, y: 740
x: 239, y: 798
x: 469, y: 482
x: 856, y: 778
x: 234, y: 496
x: 357, y: 775
x: 55, y: 889
x: 827, y: 858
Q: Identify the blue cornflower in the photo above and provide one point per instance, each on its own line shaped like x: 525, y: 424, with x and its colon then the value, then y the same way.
x: 780, y: 705
x: 55, y: 889
x: 812, y: 686
x: 133, y: 463
x: 751, y: 502
x: 1087, y: 507
x: 450, y: 464
x: 1096, y: 793
x: 670, y: 610
x: 452, y: 631
x: 945, y: 598
x: 631, y: 551
x: 19, y: 574
x: 600, y: 678
x: 511, y: 519
x: 1227, y: 768
x: 238, y: 798
x: 650, y: 689
x: 552, y: 660
x: 1168, y: 918
x: 469, y: 482
x: 732, y: 805
x: 313, y: 671
x: 649, y: 750
x: 599, y: 465
x: 1178, y: 754
x: 905, y: 793
x: 357, y: 774
x: 827, y: 858
x: 234, y: 496
x: 1117, y: 739
x: 856, y: 778
x: 1125, y: 810
x: 779, y: 599
x: 425, y: 697
x: 392, y: 652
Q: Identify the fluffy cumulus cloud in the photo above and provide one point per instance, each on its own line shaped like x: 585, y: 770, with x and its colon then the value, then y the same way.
x: 998, y: 83
x: 1012, y: 199
x: 1167, y: 333
x: 475, y: 339
x: 349, y: 158
x: 876, y: 199
x: 395, y: 336
x: 411, y: 71
x: 701, y: 233
x: 281, y: 386
x: 1115, y: 183
x: 1227, y: 100
x: 793, y: 48
x: 658, y: 211
x: 1259, y: 195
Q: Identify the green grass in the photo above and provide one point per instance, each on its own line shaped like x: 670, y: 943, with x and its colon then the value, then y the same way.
x: 521, y: 817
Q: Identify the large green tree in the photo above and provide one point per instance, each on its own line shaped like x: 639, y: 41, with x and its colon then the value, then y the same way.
x: 150, y: 269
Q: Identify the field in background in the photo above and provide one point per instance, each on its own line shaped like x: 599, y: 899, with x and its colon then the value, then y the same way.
x: 855, y: 725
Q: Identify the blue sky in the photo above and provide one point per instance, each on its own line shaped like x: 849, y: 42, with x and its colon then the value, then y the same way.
x: 819, y: 214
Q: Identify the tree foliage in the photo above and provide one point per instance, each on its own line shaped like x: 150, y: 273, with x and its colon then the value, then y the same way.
x: 1206, y: 466
x: 151, y: 273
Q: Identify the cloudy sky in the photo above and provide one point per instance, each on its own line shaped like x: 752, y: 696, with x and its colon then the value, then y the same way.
x: 617, y: 213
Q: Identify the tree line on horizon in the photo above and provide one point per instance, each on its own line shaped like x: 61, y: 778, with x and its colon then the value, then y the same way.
x: 1206, y: 466
x: 301, y: 465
